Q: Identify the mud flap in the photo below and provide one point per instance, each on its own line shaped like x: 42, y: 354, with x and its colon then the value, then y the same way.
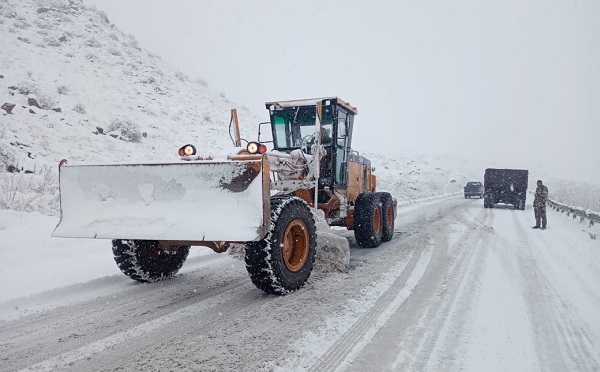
x: 193, y: 201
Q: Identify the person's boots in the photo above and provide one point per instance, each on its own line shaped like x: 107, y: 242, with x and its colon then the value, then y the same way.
x: 536, y: 227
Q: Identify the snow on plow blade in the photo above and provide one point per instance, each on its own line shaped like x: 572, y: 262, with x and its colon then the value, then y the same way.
x: 188, y: 201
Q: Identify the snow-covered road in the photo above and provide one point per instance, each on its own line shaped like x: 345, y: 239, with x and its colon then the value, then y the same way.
x: 459, y: 287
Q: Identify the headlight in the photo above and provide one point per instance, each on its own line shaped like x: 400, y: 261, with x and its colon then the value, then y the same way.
x: 252, y: 147
x: 187, y: 150
x: 256, y: 148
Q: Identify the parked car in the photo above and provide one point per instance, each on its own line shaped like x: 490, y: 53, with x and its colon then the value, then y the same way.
x: 473, y: 189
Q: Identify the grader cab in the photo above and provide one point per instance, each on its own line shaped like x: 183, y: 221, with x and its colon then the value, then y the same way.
x: 255, y: 196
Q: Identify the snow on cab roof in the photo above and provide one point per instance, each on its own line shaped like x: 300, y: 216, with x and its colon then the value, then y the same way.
x: 312, y: 102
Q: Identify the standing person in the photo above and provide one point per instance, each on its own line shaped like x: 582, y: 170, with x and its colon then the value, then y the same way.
x: 539, y: 205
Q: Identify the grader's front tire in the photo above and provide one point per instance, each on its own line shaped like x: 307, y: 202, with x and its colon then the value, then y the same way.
x: 368, y: 220
x: 283, y: 260
x: 147, y: 260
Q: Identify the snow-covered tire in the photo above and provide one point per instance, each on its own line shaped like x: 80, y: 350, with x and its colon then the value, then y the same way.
x: 387, y: 209
x: 146, y: 260
x: 283, y: 260
x: 368, y: 220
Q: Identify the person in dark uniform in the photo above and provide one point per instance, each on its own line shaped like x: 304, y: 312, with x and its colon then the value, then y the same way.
x: 327, y: 142
x: 539, y: 205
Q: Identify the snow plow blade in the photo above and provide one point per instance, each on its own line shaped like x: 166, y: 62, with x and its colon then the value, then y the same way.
x: 187, y: 201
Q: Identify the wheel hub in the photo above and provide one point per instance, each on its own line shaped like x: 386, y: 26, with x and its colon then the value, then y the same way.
x: 295, y: 245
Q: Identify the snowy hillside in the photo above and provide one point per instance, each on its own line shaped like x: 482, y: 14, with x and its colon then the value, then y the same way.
x: 85, y: 91
x: 73, y: 86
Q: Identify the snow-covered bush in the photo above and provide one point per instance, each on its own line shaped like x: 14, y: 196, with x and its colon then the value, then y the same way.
x: 202, y: 82
x: 27, y: 87
x: 128, y: 130
x: 42, y: 24
x: 103, y: 15
x: 6, y: 156
x: 63, y: 89
x: 54, y: 4
x: 22, y: 24
x: 8, y: 10
x: 132, y: 42
x: 46, y: 101
x: 50, y: 41
x: 30, y: 192
x: 79, y: 108
x: 92, y: 42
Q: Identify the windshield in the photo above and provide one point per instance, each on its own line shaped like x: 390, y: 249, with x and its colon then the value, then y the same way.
x: 291, y: 124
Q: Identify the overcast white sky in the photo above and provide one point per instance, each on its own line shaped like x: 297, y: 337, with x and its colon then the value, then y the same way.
x: 515, y: 83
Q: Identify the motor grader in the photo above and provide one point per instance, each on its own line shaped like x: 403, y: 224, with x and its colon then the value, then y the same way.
x: 264, y: 196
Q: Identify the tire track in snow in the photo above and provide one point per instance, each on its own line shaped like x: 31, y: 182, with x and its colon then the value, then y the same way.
x: 132, y: 313
x: 561, y: 343
x: 367, y: 346
x: 68, y: 359
x: 433, y: 322
x: 363, y: 329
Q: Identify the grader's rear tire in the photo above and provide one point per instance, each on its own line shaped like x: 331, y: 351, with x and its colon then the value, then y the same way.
x: 147, y: 260
x: 283, y: 260
x: 368, y: 220
x: 387, y: 210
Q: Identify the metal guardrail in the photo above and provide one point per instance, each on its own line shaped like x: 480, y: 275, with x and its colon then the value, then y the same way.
x: 592, y: 217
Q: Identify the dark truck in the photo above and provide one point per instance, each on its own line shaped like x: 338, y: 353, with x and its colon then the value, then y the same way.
x: 508, y: 186
x: 473, y: 189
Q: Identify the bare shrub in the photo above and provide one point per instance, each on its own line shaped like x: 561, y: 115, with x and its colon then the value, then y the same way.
x: 54, y: 4
x: 103, y: 15
x: 115, y: 51
x: 42, y: 24
x: 80, y: 109
x: 129, y: 131
x: 27, y: 87
x: 6, y: 156
x: 22, y: 24
x: 52, y: 42
x: 46, y: 101
x: 113, y: 36
x: 63, y: 89
x: 202, y: 82
x: 8, y: 11
x: 92, y: 42
x: 133, y: 42
x: 30, y: 192
x: 149, y: 80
